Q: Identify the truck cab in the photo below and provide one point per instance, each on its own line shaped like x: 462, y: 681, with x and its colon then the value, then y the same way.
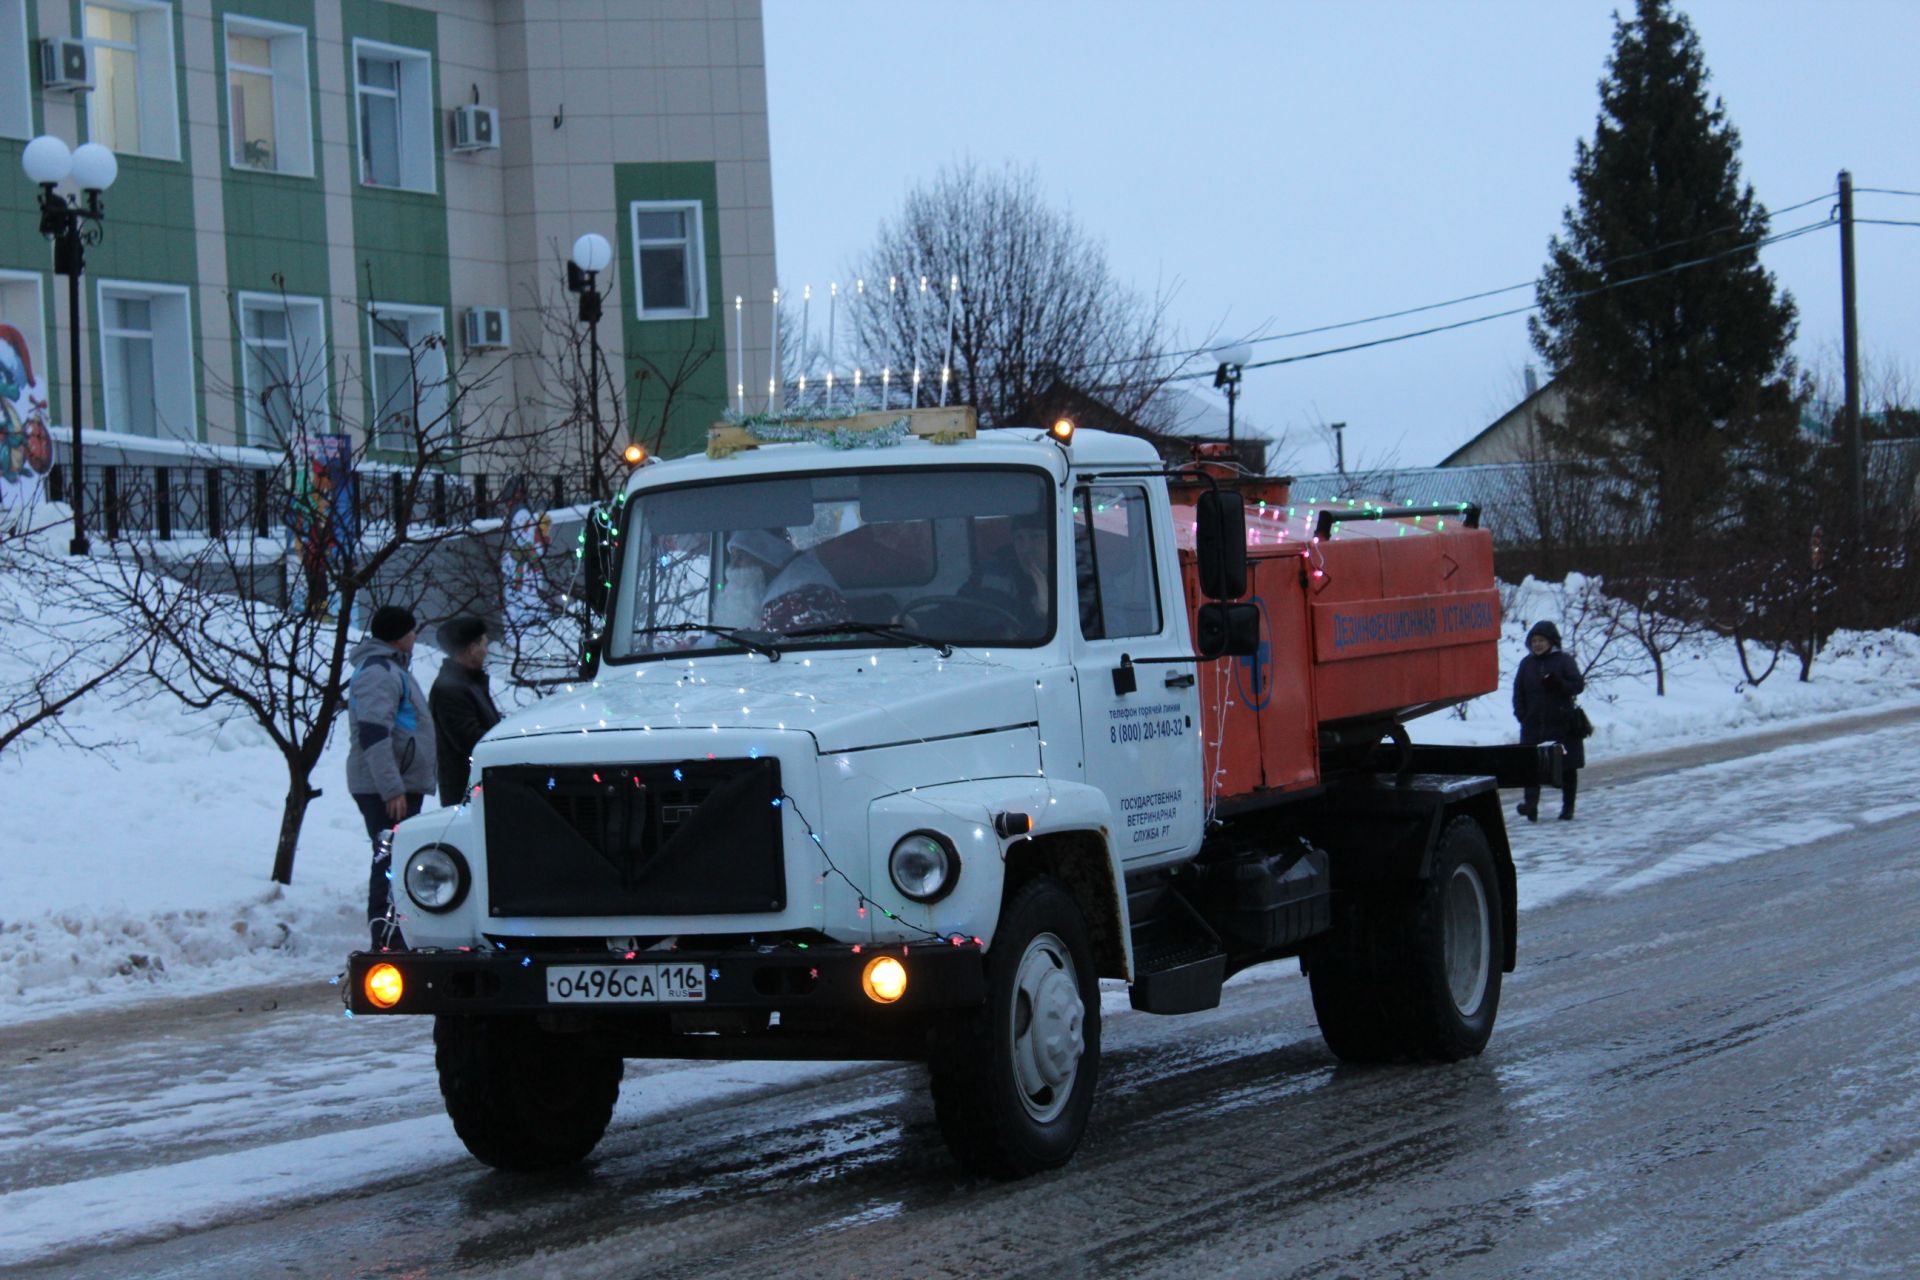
x: 894, y: 741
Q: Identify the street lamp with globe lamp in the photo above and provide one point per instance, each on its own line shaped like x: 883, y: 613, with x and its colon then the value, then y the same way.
x: 592, y: 254
x: 1232, y: 360
x: 72, y: 225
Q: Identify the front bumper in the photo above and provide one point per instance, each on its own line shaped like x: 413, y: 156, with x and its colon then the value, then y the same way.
x: 822, y: 978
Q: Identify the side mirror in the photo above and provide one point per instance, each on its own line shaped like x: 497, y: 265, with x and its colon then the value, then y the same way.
x: 1220, y: 538
x: 1227, y: 630
x: 596, y: 558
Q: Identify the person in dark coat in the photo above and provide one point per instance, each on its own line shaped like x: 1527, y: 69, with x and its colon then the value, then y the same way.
x: 462, y: 704
x: 1543, y: 692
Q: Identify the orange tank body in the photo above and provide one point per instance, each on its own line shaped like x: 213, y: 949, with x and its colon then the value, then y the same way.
x: 1384, y: 620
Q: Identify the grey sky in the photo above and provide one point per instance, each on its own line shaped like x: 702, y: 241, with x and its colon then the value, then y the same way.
x: 1286, y: 165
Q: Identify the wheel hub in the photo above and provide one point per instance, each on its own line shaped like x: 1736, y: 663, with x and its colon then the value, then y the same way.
x: 1468, y: 940
x: 1048, y: 1027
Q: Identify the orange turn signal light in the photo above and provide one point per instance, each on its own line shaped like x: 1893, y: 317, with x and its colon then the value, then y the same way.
x: 383, y: 986
x: 884, y: 980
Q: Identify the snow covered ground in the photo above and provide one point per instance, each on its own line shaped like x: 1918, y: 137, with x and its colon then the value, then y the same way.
x: 142, y: 869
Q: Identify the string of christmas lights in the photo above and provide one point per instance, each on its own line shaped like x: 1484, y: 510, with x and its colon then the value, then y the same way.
x: 833, y: 868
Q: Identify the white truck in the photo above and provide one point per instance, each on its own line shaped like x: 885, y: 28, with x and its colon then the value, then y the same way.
x: 896, y: 741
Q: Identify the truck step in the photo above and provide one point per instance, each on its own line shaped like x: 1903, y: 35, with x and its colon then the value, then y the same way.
x: 1178, y: 962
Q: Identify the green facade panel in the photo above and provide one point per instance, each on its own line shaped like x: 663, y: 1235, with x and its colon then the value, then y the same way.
x: 692, y: 353
x: 276, y: 224
x: 401, y: 246
x: 149, y: 235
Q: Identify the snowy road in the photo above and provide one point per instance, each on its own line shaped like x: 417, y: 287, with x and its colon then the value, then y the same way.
x: 1705, y: 1064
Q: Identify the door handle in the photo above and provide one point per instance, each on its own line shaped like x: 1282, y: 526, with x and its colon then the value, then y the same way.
x: 1180, y: 682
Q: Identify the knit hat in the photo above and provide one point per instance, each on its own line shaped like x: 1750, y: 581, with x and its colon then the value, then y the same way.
x: 1547, y: 629
x: 391, y: 622
x: 458, y: 634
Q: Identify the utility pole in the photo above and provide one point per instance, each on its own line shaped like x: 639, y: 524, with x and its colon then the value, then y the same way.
x: 1850, y: 362
x: 1340, y: 447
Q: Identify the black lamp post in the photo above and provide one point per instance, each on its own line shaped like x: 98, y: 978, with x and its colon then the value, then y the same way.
x: 1232, y: 361
x: 591, y: 255
x: 72, y: 225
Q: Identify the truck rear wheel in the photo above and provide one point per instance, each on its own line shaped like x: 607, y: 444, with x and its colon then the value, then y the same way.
x: 521, y: 1098
x: 1013, y: 1083
x: 1417, y: 974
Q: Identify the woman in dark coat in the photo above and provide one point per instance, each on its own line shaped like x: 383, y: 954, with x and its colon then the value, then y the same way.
x: 1543, y: 692
x: 461, y: 702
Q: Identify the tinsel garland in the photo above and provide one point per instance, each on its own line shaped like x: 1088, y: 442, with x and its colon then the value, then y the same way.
x: 791, y: 428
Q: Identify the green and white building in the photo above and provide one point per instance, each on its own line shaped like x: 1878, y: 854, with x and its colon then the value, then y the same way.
x: 349, y: 176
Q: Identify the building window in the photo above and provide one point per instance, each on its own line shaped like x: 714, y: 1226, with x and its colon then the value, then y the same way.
x: 16, y: 96
x: 146, y: 351
x: 134, y: 107
x: 267, y: 97
x: 393, y: 93
x: 1113, y: 562
x: 407, y: 361
x: 283, y: 366
x: 669, y: 252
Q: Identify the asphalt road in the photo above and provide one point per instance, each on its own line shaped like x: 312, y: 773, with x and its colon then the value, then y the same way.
x: 1714, y: 1074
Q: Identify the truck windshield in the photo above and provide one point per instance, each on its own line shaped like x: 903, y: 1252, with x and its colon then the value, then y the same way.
x: 948, y: 555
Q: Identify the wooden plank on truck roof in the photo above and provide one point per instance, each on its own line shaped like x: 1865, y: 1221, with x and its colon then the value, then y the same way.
x: 956, y: 422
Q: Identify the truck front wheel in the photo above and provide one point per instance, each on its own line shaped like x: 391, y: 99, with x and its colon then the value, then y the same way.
x: 521, y: 1098
x: 1414, y: 971
x: 1013, y: 1083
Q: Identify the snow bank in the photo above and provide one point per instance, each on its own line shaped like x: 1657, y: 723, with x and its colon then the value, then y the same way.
x: 1708, y: 696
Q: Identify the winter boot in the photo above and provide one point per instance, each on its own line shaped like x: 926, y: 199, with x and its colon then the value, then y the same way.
x: 1529, y: 806
x: 1569, y: 791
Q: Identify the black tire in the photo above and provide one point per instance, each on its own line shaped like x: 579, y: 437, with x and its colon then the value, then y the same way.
x: 1414, y: 971
x: 523, y: 1099
x: 1010, y: 1105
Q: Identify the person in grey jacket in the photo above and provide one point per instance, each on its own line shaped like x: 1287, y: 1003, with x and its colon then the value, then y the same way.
x: 390, y: 751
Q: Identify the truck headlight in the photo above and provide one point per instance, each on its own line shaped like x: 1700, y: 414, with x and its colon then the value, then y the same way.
x: 924, y: 866
x: 436, y: 877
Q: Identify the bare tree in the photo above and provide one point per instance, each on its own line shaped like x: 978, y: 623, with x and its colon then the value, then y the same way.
x: 256, y: 619
x: 1026, y: 294
x: 60, y: 650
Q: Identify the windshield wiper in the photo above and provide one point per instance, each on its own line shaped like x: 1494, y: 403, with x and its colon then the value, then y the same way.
x: 759, y: 642
x: 892, y: 630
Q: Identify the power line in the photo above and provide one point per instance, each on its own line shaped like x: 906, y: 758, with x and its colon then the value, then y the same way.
x: 1437, y: 306
x: 1886, y: 222
x: 1514, y: 311
x: 1885, y: 191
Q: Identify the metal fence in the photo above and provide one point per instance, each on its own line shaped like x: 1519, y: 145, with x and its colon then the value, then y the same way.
x: 167, y: 502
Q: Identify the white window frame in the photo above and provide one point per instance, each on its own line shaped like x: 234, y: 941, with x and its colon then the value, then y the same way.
x: 292, y: 97
x: 16, y: 99
x: 696, y: 248
x: 175, y: 417
x: 306, y: 355
x: 156, y: 83
x: 429, y: 371
x: 415, y: 115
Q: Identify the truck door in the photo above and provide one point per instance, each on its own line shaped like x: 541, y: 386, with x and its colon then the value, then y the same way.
x: 1141, y: 723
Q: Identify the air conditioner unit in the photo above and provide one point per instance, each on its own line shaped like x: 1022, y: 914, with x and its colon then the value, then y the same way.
x: 66, y: 65
x: 486, y: 328
x: 476, y: 128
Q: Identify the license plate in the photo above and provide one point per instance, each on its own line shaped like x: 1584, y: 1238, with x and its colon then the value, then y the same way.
x: 626, y: 984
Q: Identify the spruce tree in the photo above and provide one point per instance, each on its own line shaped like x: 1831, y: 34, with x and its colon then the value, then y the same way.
x: 1678, y: 379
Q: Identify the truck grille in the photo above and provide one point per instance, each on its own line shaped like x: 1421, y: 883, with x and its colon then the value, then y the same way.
x: 698, y: 837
